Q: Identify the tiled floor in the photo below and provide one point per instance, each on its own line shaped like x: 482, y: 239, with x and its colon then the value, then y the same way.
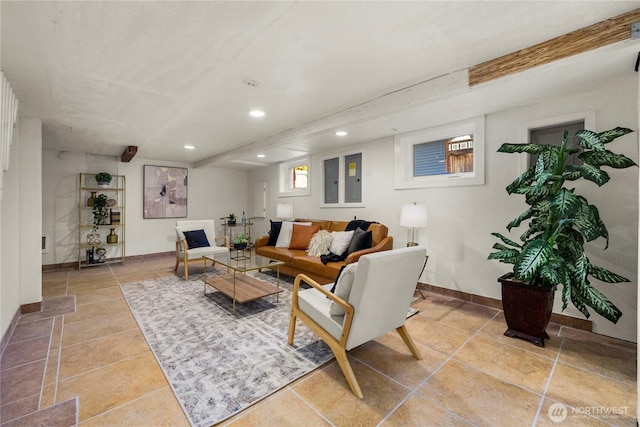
x: 84, y: 360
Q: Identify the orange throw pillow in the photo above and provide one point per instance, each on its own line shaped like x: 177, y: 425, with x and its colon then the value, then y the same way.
x: 302, y: 235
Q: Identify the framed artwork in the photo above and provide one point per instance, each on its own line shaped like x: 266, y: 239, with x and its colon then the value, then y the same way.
x: 165, y: 192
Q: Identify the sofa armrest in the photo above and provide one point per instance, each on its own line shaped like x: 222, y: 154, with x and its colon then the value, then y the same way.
x: 224, y: 240
x: 261, y: 241
x: 385, y: 244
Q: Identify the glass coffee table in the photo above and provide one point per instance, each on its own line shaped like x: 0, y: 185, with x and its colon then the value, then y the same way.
x: 239, y: 286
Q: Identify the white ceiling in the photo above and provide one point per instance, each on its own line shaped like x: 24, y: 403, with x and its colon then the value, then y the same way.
x: 159, y: 75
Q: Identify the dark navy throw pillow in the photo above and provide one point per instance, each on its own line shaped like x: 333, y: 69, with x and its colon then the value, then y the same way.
x: 274, y: 232
x: 196, y: 239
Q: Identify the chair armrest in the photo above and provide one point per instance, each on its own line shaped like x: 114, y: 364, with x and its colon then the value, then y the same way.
x: 348, y: 308
x: 181, y: 245
x: 385, y: 244
x: 261, y: 241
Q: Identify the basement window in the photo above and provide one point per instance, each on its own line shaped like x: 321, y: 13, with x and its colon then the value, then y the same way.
x: 449, y: 155
x: 294, y: 178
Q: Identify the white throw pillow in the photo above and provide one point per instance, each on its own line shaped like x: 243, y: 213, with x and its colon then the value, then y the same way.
x: 286, y: 231
x: 343, y: 288
x: 340, y: 241
x: 320, y: 243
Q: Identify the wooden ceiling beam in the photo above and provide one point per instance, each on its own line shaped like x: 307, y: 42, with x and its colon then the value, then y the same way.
x: 603, y: 33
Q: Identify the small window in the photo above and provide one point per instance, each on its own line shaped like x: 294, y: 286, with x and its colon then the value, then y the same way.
x: 444, y: 156
x: 294, y: 178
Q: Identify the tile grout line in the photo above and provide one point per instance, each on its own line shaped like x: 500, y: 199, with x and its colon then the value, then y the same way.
x: 46, y: 364
x: 55, y: 389
x: 546, y: 386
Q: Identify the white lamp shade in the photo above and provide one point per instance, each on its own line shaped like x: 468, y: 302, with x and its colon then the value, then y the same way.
x: 284, y: 210
x: 413, y: 215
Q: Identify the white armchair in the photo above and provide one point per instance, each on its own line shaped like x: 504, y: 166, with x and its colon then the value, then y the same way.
x: 383, y: 284
x: 187, y: 254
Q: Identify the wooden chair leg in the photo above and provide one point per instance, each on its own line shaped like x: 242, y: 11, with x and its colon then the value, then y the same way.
x: 177, y: 263
x: 186, y: 269
x: 402, y: 330
x: 292, y: 327
x: 345, y: 366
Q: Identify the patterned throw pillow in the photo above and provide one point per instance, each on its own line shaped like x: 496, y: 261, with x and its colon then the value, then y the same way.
x: 320, y: 243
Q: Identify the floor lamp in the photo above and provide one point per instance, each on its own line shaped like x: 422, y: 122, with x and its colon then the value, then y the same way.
x: 413, y: 216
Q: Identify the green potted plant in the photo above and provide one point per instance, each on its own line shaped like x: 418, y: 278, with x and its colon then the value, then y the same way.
x: 231, y: 219
x: 551, y: 252
x: 100, y: 210
x: 103, y: 179
x: 241, y: 241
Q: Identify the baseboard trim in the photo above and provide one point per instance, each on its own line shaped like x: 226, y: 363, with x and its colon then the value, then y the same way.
x: 9, y: 332
x: 74, y: 265
x: 560, y: 319
x: 33, y: 307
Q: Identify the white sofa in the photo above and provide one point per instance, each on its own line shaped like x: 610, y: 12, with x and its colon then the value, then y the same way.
x: 187, y: 255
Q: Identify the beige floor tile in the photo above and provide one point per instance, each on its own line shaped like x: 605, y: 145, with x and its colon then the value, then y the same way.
x: 75, y: 288
x: 611, y: 362
x: 557, y: 414
x: 99, y: 295
x: 283, y: 409
x: 495, y: 328
x: 20, y: 408
x: 430, y: 333
x: 98, y: 311
x: 49, y: 291
x: 159, y: 408
x: 89, y: 355
x: 78, y: 332
x: 391, y: 356
x: 579, y: 388
x: 107, y: 388
x: 418, y: 411
x: 520, y: 367
x: 51, y: 373
x: 56, y: 335
x: 460, y: 314
x: 584, y: 336
x: 48, y: 395
x: 327, y: 391
x: 479, y: 397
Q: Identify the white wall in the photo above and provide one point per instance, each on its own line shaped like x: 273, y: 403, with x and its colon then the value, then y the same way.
x: 21, y: 225
x: 212, y: 193
x: 461, y: 219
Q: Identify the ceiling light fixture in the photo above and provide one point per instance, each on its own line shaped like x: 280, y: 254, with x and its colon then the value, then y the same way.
x: 256, y: 113
x: 341, y: 133
x: 189, y: 147
x: 261, y: 155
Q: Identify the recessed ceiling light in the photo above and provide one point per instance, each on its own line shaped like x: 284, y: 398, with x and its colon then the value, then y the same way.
x: 256, y: 113
x: 341, y: 133
x: 189, y: 147
x: 261, y: 155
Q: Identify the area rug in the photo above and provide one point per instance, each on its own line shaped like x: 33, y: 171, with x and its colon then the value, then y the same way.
x: 218, y: 363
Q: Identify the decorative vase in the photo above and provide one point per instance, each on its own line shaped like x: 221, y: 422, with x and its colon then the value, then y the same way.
x: 91, y: 199
x: 100, y: 255
x: 103, y: 184
x: 112, y: 237
x: 93, y: 238
x: 527, y: 309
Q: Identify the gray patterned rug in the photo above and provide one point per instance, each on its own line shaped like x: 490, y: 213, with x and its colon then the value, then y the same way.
x: 218, y: 363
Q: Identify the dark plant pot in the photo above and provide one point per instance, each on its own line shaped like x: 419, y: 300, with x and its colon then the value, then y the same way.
x: 239, y: 246
x: 527, y: 309
x: 231, y: 222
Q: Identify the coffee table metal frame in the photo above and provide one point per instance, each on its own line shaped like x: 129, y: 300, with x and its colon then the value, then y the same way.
x: 237, y: 285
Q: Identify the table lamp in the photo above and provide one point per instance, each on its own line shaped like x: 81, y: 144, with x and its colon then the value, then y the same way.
x: 413, y: 216
x: 284, y: 211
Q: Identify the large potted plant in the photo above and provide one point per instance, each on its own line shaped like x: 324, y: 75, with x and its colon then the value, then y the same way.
x: 551, y: 253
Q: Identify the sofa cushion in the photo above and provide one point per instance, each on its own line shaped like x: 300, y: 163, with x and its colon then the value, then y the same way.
x: 343, y: 288
x: 196, y: 239
x: 361, y: 240
x: 320, y: 243
x: 284, y: 238
x: 340, y: 241
x: 301, y: 236
x: 274, y: 232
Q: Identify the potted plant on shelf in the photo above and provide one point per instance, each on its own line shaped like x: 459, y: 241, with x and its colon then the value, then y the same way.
x: 241, y: 241
x: 231, y: 219
x: 100, y: 210
x: 103, y: 179
x: 552, y: 251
